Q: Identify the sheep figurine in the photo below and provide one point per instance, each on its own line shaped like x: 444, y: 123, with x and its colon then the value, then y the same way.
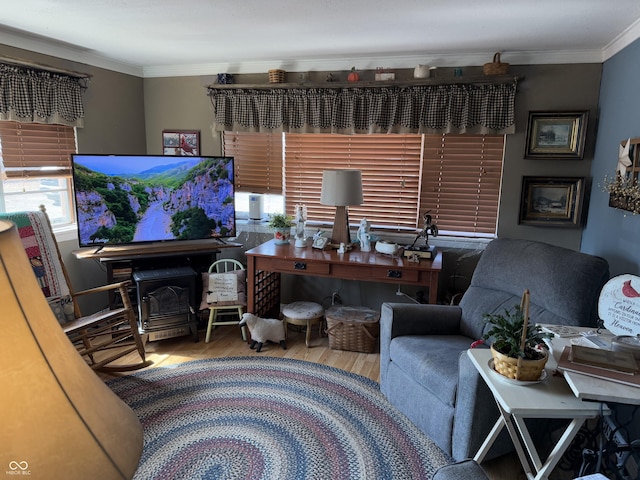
x: 264, y: 330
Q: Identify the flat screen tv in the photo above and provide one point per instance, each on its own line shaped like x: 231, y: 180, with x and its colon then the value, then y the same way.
x: 125, y: 199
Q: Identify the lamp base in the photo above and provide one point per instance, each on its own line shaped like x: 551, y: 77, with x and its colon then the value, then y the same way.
x: 341, y: 232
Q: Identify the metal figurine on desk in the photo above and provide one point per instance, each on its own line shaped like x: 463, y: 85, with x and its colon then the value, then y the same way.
x: 429, y: 228
x: 416, y: 253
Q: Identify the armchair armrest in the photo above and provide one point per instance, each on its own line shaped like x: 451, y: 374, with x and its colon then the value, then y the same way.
x: 103, y: 288
x: 399, y: 319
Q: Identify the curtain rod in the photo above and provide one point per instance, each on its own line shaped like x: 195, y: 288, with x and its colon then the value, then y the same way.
x: 17, y: 62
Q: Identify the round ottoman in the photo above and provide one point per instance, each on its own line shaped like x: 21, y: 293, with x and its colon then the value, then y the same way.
x: 304, y: 314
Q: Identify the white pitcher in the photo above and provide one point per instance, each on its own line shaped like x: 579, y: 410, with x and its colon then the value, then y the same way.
x: 421, y: 71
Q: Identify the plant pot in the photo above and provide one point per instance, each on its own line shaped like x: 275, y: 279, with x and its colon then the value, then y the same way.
x: 282, y: 235
x: 530, y: 370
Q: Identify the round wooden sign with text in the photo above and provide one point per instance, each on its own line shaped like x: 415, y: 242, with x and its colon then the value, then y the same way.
x: 619, y: 305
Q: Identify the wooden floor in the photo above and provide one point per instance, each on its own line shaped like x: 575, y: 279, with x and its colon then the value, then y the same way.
x: 227, y: 341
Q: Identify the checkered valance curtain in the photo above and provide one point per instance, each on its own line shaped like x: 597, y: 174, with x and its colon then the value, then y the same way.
x: 37, y: 96
x: 459, y: 108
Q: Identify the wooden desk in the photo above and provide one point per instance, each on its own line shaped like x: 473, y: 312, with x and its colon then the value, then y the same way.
x: 266, y: 262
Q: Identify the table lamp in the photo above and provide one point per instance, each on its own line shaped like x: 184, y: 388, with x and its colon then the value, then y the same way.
x: 57, y: 417
x: 341, y: 188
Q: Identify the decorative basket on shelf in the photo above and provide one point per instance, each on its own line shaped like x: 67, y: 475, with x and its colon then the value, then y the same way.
x: 496, y: 67
x: 276, y: 76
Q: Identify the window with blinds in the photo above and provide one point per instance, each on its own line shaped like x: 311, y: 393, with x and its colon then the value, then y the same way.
x: 34, y: 149
x: 456, y: 178
x: 35, y: 167
x: 390, y: 166
x: 257, y: 161
x: 461, y: 181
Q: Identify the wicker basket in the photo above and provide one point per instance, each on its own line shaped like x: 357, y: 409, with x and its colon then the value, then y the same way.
x: 353, y: 328
x: 529, y: 370
x: 496, y: 67
x: 276, y: 76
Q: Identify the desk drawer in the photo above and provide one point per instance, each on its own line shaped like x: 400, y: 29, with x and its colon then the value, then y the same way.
x: 297, y: 266
x: 391, y: 273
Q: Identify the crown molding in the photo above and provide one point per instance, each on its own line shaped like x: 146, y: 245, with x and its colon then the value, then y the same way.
x: 68, y: 52
x: 322, y: 64
x: 622, y: 41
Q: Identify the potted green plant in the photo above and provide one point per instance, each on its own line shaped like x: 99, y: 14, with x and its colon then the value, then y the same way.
x: 281, y: 224
x: 518, y: 348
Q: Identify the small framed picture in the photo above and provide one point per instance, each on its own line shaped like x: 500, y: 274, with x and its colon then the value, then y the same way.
x: 556, y: 135
x: 552, y: 201
x: 181, y: 142
x: 320, y: 242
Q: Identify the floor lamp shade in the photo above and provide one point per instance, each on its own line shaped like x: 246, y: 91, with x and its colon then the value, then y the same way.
x: 57, y: 417
x: 341, y: 188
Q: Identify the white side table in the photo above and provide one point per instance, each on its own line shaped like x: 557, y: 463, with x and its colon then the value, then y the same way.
x: 551, y: 398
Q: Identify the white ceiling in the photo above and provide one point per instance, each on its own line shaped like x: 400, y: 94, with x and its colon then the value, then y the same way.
x: 151, y: 38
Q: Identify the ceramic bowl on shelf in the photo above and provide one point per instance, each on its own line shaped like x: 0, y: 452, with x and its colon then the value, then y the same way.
x: 386, y: 247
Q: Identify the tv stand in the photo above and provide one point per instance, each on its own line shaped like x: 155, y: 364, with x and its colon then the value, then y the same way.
x: 122, y: 262
x: 141, y: 250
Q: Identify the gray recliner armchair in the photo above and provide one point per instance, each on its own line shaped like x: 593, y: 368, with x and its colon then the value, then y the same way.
x: 424, y: 368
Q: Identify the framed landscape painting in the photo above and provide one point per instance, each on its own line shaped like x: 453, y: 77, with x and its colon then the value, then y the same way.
x: 556, y: 135
x: 552, y: 201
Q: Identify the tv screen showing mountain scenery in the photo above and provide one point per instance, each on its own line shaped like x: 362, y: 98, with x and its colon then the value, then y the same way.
x: 124, y: 199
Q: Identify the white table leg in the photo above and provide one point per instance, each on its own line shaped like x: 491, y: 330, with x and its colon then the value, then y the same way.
x: 557, y: 452
x: 488, y: 442
x: 542, y: 470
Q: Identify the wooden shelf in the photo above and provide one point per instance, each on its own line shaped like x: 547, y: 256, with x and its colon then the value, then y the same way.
x: 475, y: 80
x: 144, y: 250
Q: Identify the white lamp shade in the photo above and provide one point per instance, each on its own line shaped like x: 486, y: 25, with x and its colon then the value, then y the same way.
x: 341, y: 187
x: 57, y: 418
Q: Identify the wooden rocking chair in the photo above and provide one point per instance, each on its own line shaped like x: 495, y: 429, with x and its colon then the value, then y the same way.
x: 101, y: 338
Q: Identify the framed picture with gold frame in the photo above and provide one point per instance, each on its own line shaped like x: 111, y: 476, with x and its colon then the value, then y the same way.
x: 552, y: 201
x: 556, y: 135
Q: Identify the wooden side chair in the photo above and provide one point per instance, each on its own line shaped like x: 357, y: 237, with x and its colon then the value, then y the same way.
x: 225, y: 290
x: 100, y: 338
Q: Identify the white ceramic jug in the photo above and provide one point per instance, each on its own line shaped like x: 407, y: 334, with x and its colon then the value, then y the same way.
x: 421, y: 71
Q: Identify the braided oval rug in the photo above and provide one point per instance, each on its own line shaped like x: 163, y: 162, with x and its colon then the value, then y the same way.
x: 271, y: 418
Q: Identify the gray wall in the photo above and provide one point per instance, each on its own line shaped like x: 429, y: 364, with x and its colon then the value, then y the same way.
x: 547, y: 88
x: 114, y: 123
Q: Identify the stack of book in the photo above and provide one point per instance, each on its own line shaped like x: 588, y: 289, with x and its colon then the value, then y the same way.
x: 615, y: 366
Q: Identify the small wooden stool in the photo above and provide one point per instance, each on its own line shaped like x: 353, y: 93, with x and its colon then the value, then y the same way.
x: 304, y: 314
